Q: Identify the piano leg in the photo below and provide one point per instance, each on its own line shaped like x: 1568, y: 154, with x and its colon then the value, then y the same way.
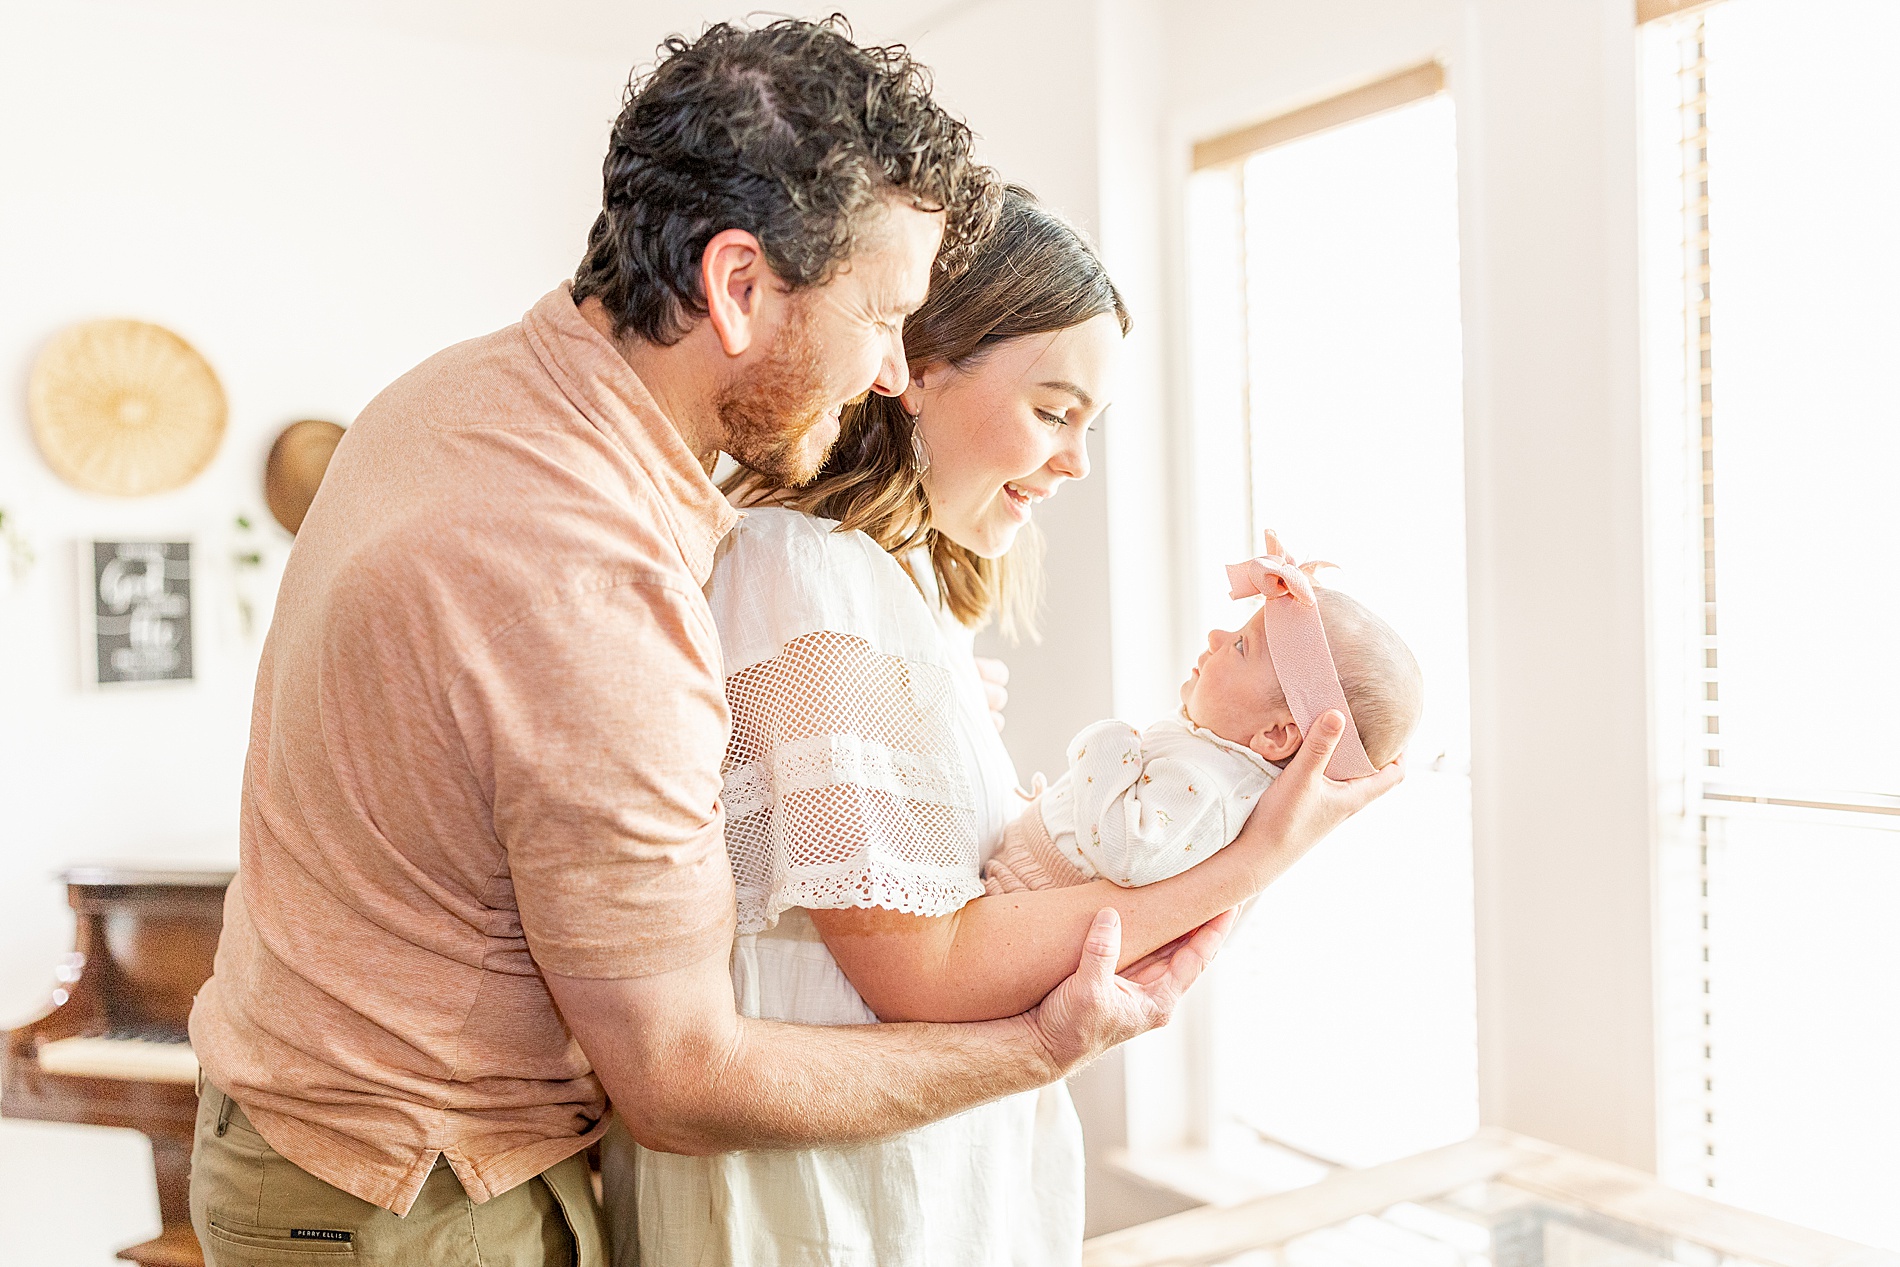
x: 176, y: 1245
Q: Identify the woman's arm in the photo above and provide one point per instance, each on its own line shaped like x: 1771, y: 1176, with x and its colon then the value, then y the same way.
x: 997, y: 955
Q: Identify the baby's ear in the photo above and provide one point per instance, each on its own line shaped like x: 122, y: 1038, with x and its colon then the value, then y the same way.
x: 1277, y: 742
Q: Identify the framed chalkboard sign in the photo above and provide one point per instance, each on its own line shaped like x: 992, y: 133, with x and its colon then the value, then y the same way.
x: 136, y: 612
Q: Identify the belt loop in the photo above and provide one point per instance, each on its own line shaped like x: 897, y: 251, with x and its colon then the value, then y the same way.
x: 224, y: 1115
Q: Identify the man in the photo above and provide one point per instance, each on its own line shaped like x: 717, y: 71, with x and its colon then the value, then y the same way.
x: 483, y: 885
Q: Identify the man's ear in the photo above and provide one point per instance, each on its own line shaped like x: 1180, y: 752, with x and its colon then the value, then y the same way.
x: 735, y: 279
x: 1277, y: 742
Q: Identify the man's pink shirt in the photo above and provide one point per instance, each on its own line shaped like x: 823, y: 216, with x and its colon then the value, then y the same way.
x: 485, y: 744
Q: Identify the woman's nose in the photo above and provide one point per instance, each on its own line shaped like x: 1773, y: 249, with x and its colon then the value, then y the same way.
x: 1071, y: 460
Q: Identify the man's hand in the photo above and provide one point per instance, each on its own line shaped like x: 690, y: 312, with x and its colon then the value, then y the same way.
x: 1303, y: 805
x: 1096, y: 1009
x: 995, y: 675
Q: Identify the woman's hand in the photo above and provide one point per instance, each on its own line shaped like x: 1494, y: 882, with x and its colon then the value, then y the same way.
x: 1303, y: 805
x: 995, y: 675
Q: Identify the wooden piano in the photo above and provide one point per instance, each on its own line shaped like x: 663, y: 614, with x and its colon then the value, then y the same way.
x: 113, y: 1049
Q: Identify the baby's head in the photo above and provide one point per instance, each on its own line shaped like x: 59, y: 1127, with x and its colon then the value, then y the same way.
x: 1234, y: 692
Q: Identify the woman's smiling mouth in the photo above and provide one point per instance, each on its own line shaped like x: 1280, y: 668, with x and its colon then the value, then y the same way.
x: 1021, y: 500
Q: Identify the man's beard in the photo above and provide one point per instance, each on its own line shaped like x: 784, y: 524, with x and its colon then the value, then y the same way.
x: 769, y: 413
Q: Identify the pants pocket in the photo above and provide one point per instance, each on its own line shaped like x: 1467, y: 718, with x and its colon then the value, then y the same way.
x: 573, y: 1187
x: 239, y: 1245
x: 250, y: 1205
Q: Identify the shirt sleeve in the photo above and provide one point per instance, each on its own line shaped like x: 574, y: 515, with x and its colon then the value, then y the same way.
x: 1141, y: 818
x: 596, y: 728
x: 844, y: 784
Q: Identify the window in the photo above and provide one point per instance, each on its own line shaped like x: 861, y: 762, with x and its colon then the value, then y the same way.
x: 1770, y: 164
x: 1324, y: 309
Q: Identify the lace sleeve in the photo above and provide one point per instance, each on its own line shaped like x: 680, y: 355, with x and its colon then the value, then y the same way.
x: 844, y: 786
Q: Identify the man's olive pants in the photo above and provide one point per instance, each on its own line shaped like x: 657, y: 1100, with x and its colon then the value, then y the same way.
x: 251, y: 1206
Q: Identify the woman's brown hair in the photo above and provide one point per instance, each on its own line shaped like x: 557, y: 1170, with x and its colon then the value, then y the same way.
x: 1035, y: 274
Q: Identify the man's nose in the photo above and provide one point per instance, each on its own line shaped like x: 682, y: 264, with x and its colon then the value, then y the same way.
x: 893, y: 376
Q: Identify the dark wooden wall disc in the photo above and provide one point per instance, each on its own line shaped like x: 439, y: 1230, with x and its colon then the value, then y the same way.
x: 295, y: 468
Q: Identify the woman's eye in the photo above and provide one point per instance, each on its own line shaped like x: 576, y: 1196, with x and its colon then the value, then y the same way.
x: 1054, y: 420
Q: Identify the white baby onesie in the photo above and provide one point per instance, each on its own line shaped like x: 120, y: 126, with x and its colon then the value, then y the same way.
x: 1134, y: 807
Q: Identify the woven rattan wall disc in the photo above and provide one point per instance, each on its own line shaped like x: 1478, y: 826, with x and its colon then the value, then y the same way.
x: 295, y: 467
x: 125, y: 407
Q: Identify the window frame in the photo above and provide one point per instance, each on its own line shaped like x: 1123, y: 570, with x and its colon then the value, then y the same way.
x: 1168, y: 1133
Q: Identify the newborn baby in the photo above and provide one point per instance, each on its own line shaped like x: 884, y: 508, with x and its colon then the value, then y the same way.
x: 1138, y: 806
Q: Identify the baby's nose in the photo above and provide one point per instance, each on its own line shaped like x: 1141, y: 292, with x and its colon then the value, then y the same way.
x: 1213, y: 639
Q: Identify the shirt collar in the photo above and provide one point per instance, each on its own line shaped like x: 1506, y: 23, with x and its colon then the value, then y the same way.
x: 1184, y: 722
x: 597, y: 380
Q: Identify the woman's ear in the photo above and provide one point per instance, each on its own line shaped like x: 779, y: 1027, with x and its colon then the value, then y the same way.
x: 922, y: 379
x: 1278, y: 741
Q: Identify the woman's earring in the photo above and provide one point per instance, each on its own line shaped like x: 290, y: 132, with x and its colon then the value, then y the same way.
x: 919, y: 455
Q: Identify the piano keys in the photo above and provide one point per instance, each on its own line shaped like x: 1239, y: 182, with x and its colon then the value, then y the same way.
x: 113, y: 1050
x: 136, y: 1057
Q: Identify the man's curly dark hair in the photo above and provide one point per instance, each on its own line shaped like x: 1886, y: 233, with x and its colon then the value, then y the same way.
x: 790, y: 132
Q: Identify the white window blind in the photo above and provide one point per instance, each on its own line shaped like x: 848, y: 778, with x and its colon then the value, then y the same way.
x: 1774, y: 166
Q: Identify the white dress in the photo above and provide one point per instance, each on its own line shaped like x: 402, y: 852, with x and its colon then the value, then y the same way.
x: 864, y: 771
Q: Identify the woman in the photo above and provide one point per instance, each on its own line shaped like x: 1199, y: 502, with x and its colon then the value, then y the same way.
x: 865, y: 783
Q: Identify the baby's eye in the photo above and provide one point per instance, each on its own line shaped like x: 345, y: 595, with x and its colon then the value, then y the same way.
x: 1240, y: 644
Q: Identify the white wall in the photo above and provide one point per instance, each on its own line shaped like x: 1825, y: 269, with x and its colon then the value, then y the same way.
x: 1562, y: 742
x: 1081, y: 128
x: 1065, y: 680
x: 1083, y: 132
x: 315, y: 207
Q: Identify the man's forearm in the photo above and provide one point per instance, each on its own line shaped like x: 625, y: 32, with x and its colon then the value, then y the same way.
x: 688, y: 1075
x: 792, y: 1086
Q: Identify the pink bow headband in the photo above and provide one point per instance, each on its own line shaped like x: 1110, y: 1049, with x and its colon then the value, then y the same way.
x: 1296, y: 643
